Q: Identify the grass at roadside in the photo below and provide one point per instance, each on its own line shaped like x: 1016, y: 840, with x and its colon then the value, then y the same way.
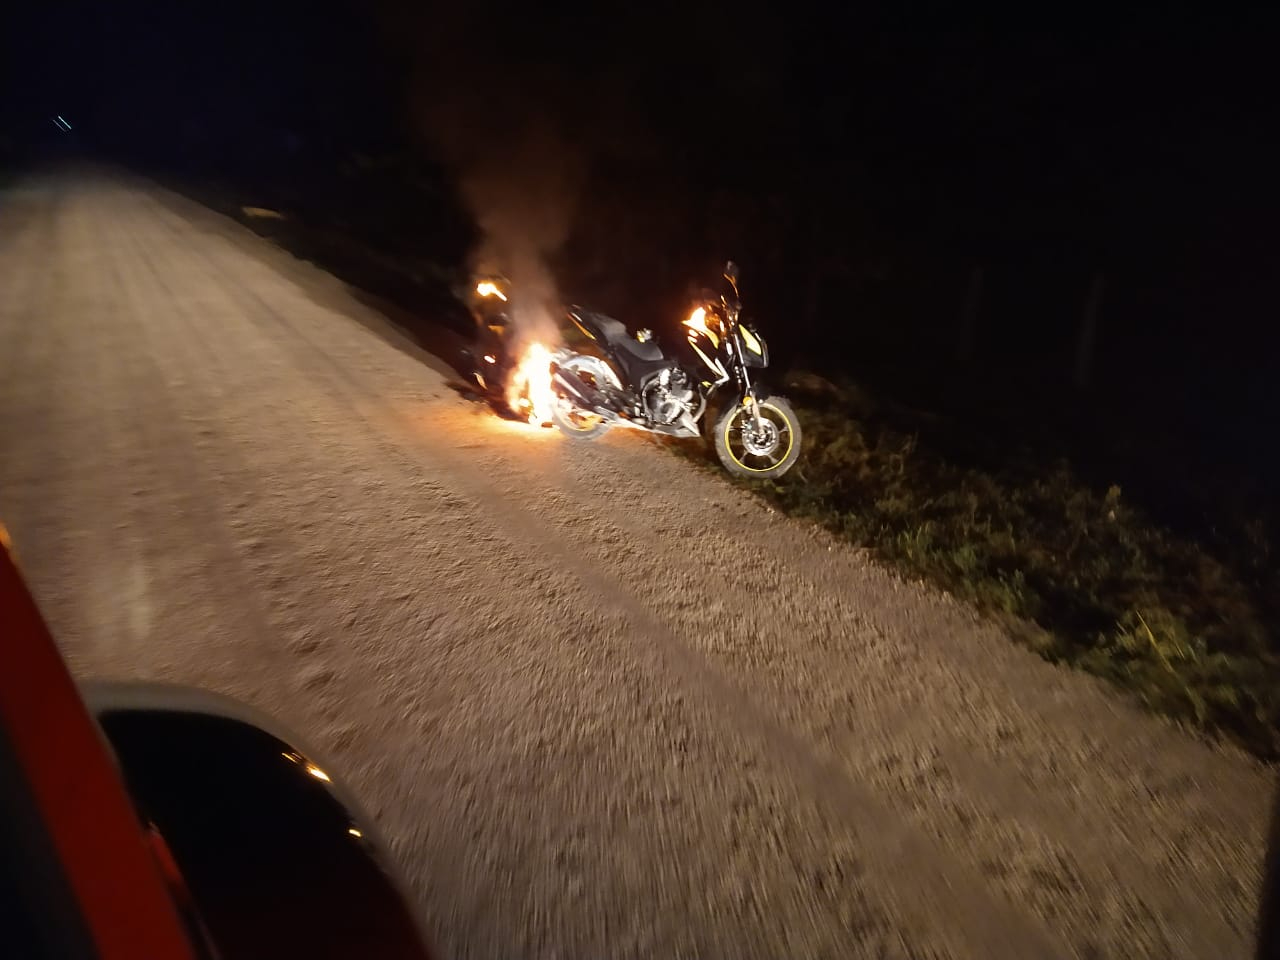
x: 1079, y: 573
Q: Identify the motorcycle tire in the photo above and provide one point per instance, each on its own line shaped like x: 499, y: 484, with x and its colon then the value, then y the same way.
x: 572, y: 422
x: 758, y: 458
x: 566, y: 418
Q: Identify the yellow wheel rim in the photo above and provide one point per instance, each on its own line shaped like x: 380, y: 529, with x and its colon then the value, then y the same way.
x: 791, y: 437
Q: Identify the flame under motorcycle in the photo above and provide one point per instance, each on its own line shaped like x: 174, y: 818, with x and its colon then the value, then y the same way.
x: 636, y: 384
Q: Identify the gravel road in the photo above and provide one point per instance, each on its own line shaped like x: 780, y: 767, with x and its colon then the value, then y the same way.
x: 602, y: 704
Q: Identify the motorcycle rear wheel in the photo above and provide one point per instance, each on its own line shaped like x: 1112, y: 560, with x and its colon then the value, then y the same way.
x: 763, y: 456
x: 574, y: 422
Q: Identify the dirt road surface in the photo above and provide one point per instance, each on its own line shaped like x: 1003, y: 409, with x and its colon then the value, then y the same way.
x: 602, y: 704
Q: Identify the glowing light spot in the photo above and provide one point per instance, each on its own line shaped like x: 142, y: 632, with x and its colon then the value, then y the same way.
x: 487, y: 288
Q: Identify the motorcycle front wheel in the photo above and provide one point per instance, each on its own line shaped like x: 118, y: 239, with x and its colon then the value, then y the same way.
x: 763, y: 452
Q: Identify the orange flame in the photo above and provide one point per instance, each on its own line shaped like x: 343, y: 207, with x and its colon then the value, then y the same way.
x: 698, y: 321
x: 529, y: 391
x: 487, y: 288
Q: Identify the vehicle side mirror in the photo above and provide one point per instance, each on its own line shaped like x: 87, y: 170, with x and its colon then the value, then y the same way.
x: 277, y: 859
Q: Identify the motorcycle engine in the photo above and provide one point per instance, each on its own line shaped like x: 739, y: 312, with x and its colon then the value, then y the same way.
x: 667, y: 395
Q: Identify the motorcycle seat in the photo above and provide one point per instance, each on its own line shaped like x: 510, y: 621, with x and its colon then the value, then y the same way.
x: 616, y: 333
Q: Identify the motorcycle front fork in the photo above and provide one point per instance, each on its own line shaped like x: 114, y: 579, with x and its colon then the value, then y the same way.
x: 752, y: 399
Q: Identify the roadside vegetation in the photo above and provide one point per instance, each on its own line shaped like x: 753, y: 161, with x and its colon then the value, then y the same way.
x: 1076, y: 570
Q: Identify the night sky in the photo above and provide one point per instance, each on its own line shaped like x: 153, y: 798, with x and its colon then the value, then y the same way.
x: 860, y: 164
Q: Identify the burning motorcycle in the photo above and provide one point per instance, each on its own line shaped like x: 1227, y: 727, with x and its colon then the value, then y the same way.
x: 636, y: 384
x: 514, y: 376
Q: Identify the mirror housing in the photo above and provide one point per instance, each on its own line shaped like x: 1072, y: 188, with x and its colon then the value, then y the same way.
x: 278, y: 859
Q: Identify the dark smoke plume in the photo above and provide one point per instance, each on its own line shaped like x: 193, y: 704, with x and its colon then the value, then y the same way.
x: 523, y: 198
x: 499, y: 124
